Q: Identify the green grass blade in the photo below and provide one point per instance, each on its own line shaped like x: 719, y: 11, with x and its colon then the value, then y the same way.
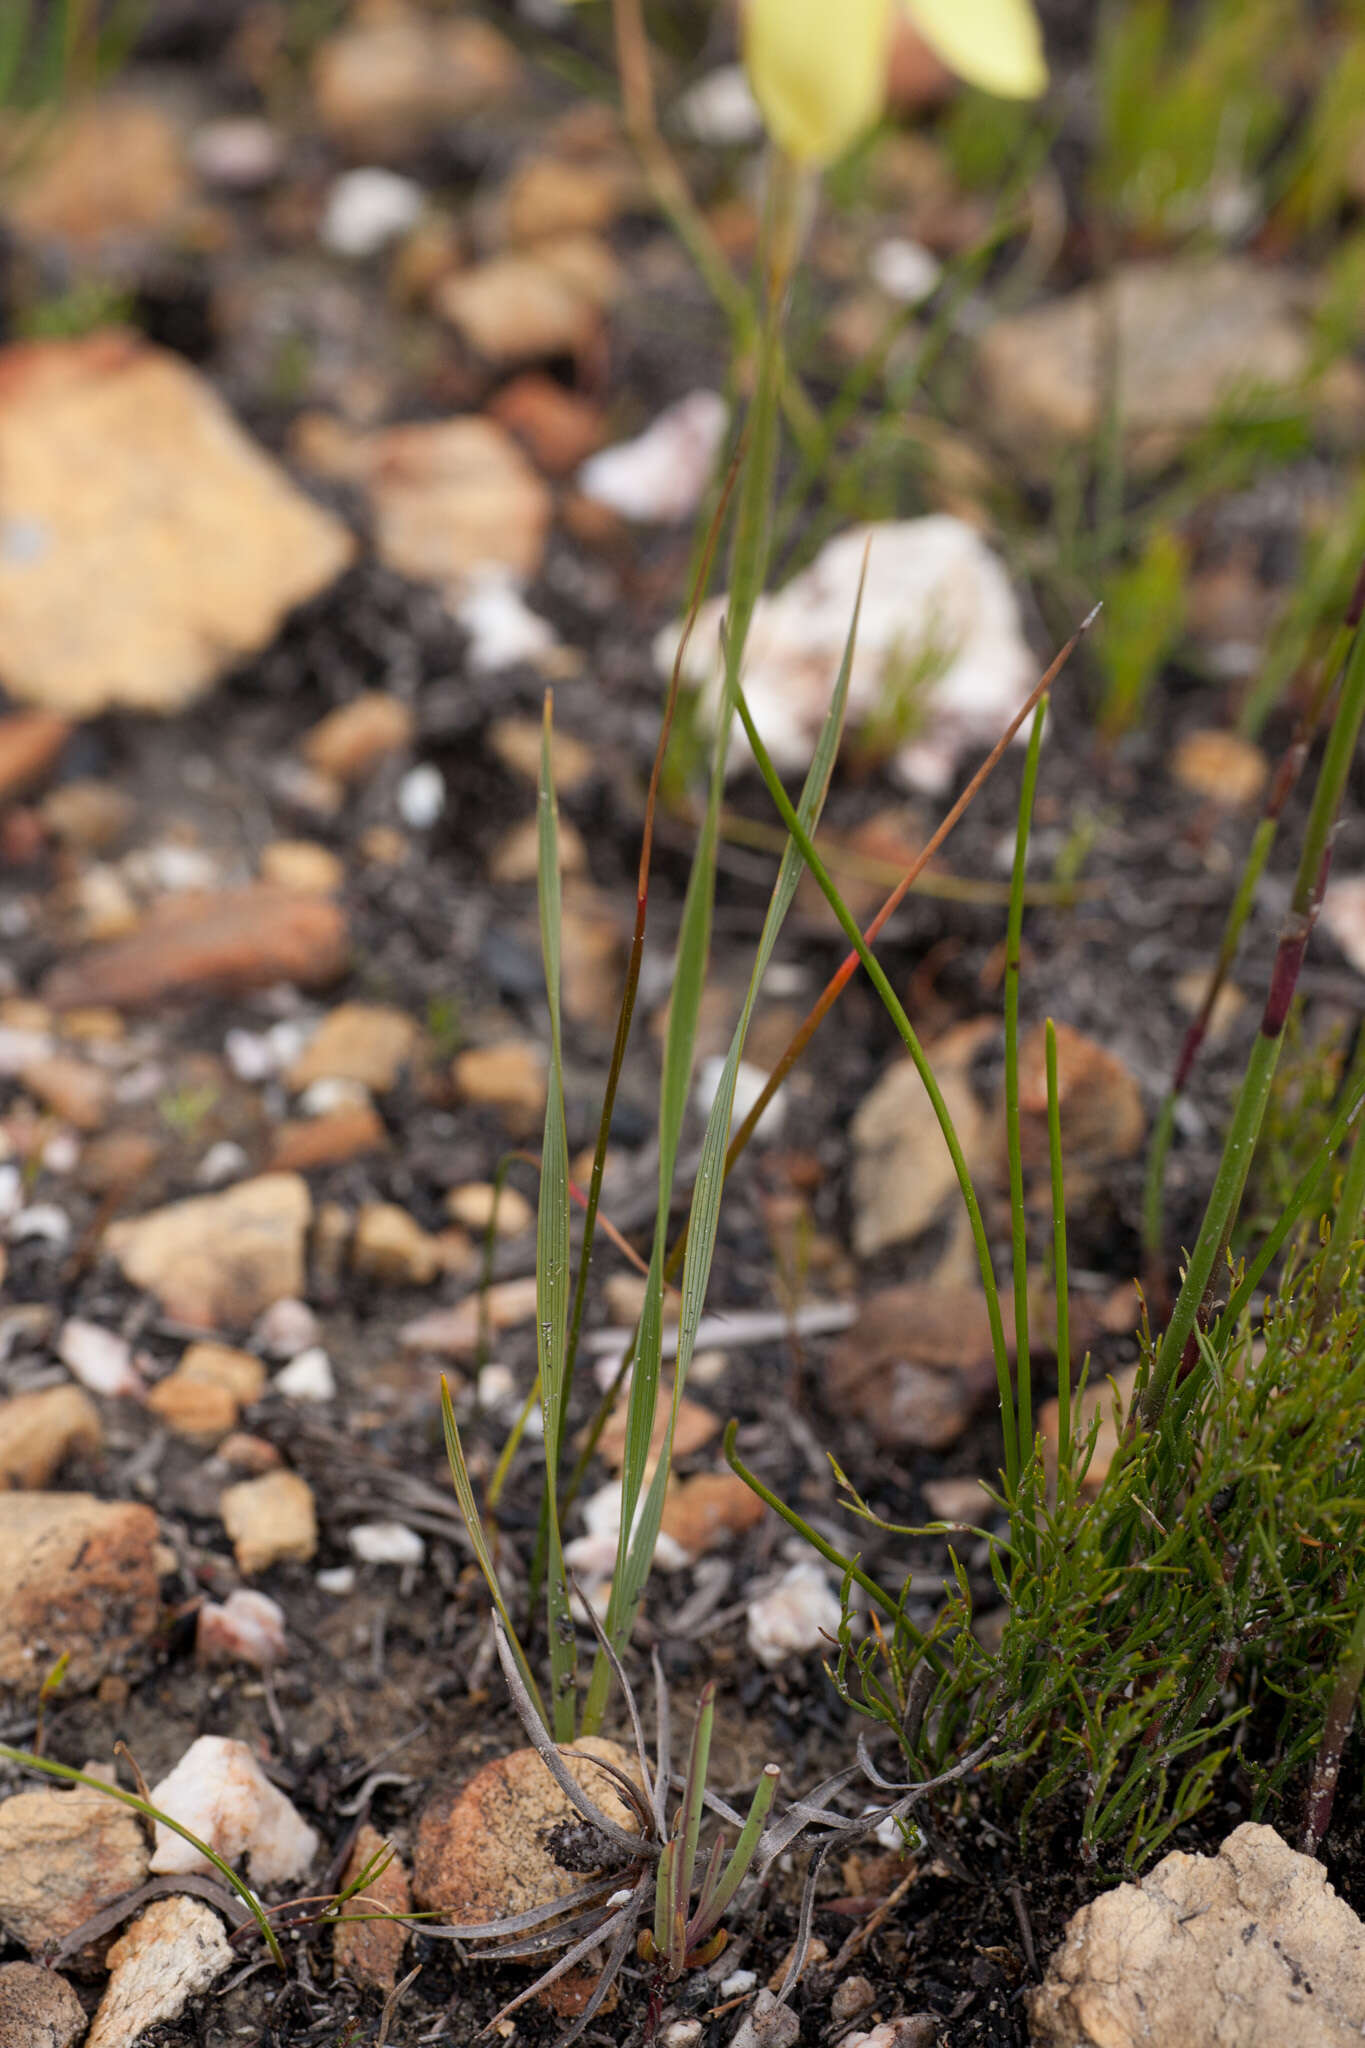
x: 552, y: 1257
x: 877, y: 975
x: 1059, y: 1264
x: 741, y: 1856
x: 473, y: 1521
x: 1023, y: 1418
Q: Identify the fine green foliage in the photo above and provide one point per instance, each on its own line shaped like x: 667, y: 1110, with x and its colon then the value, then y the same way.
x: 1144, y: 614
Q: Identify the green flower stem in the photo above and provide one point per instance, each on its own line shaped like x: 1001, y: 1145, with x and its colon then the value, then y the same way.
x: 1178, y: 1351
x: 1014, y: 1145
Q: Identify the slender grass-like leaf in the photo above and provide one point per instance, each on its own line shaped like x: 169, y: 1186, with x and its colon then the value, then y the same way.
x: 1018, y: 1426
x: 1060, y: 1281
x: 552, y: 1256
x: 473, y: 1521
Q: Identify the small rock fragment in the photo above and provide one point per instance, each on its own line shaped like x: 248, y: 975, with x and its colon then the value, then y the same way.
x: 241, y: 939
x: 41, y: 1430
x: 1100, y: 1103
x: 1221, y: 766
x: 478, y: 1203
x: 391, y: 78
x: 366, y: 1042
x: 100, y: 1359
x: 558, y: 427
x: 421, y: 796
x: 348, y: 1131
x: 386, y: 1543
x: 221, y: 1366
x: 767, y: 2025
x: 705, y: 1510
x: 902, y: 1171
x: 81, y: 1578
x: 303, y: 865
x: 389, y: 1245
x: 503, y: 630
x: 481, y: 1853
x: 216, y: 1261
x: 30, y: 743
x: 351, y: 741
x: 64, y: 1855
x: 71, y: 1089
x: 455, y: 1331
x: 171, y: 1953
x: 368, y: 1951
x: 916, y: 1365
x: 308, y: 1378
x: 663, y: 474
x: 286, y: 1328
x: 850, y: 1997
x: 38, y: 2009
x: 910, y: 2030
x: 248, y: 1628
x: 516, y: 743
x: 750, y: 1081
x: 201, y: 1410
x: 522, y: 308
x: 1229, y: 1951
x: 268, y: 1520
x: 801, y: 1613
x: 188, y: 554
x: 1343, y: 915
x: 938, y: 614
x: 510, y: 1077
x: 220, y: 1793
x: 367, y: 209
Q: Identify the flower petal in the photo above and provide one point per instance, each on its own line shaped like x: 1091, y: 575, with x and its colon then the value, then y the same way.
x: 995, y: 44
x: 818, y: 70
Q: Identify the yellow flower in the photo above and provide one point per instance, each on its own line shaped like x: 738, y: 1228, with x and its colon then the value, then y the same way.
x: 818, y: 67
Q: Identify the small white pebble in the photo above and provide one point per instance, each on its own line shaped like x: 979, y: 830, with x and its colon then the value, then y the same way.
x: 169, y: 869
x: 622, y: 1897
x: 11, y: 1191
x: 247, y: 1629
x: 662, y: 475
x: 331, y: 1092
x: 140, y: 1084
x: 239, y: 153
x: 19, y: 1049
x: 249, y: 1055
x: 309, y: 1377
x: 750, y: 1082
x: 421, y: 797
x: 386, y: 1543
x: 100, y: 1359
x: 337, y: 1579
x: 222, y: 1163
x: 367, y: 209
x: 61, y: 1152
x: 285, y: 1329
x: 905, y: 270
x: 801, y: 1613
x: 43, y: 1223
x: 502, y: 628
x: 721, y: 110
x: 737, y: 1983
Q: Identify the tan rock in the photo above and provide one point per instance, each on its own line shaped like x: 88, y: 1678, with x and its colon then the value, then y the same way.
x: 1101, y: 1105
x: 516, y: 743
x: 220, y: 1365
x: 1237, y: 1950
x: 696, y: 1426
x: 351, y: 741
x: 369, y: 1951
x: 101, y: 904
x: 510, y: 1077
x: 40, y: 1431
x: 455, y: 1331
x: 87, y: 815
x: 366, y: 1042
x: 217, y: 1260
x: 902, y: 1172
x: 478, y: 1203
x: 556, y: 426
x: 549, y: 196
x: 30, y: 742
x: 389, y: 1245
x: 80, y: 1578
x: 117, y: 1159
x: 916, y: 1365
x: 481, y: 1852
x: 304, y: 865
x: 64, y: 1855
x: 202, y: 1410
x: 182, y: 549
x: 703, y: 1512
x: 1221, y: 766
x: 1188, y: 335
x: 387, y: 81
x: 349, y: 1131
x: 452, y: 497
x: 269, y: 1519
x: 71, y: 1088
x: 171, y: 1953
x: 109, y: 170
x: 516, y: 855
x: 518, y: 308
x: 239, y: 939
x: 38, y: 2009
x: 250, y: 1454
